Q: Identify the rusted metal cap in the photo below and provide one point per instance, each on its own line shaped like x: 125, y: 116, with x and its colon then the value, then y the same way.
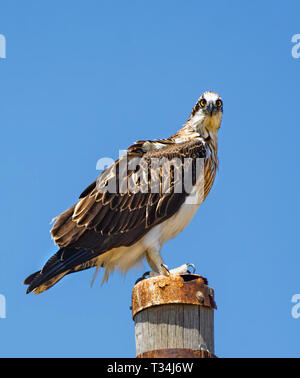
x: 185, y: 289
x: 176, y: 353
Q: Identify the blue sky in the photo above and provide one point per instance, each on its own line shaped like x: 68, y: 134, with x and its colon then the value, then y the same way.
x: 84, y: 79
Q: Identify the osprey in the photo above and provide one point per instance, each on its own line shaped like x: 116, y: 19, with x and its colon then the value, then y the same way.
x: 138, y: 203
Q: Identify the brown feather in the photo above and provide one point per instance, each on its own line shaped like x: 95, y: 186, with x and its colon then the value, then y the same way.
x: 103, y: 221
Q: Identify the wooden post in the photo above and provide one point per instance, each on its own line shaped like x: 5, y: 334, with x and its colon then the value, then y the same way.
x: 174, y: 317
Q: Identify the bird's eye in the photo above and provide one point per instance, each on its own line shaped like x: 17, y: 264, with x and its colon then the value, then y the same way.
x: 219, y: 103
x: 203, y: 103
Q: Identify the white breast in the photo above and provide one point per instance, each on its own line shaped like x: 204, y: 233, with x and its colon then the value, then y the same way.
x: 170, y: 228
x: 178, y: 222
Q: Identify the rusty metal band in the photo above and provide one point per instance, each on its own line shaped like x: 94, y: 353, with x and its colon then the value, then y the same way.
x: 176, y: 353
x: 172, y: 289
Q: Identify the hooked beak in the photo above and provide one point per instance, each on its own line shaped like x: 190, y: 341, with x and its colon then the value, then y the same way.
x: 210, y: 108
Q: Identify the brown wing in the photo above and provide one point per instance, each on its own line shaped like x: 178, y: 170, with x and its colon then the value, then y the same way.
x: 127, y: 200
x: 120, y: 206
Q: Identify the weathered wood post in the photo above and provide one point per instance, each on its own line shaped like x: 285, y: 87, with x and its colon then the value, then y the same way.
x: 174, y: 317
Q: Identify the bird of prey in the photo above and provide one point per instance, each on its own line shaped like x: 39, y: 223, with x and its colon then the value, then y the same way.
x: 123, y: 217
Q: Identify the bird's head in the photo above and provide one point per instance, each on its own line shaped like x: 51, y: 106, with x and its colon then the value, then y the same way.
x: 207, y: 114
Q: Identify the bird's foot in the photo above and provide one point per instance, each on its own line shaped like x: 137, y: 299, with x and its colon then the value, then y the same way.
x: 185, y: 268
x: 164, y: 271
x: 144, y: 276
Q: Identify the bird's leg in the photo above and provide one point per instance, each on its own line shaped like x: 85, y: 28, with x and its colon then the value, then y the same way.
x: 158, y: 267
x: 156, y: 263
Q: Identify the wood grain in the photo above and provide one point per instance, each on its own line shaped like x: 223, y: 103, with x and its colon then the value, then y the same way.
x: 174, y: 326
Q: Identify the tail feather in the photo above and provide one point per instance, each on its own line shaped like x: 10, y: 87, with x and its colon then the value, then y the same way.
x: 65, y: 261
x: 30, y: 278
